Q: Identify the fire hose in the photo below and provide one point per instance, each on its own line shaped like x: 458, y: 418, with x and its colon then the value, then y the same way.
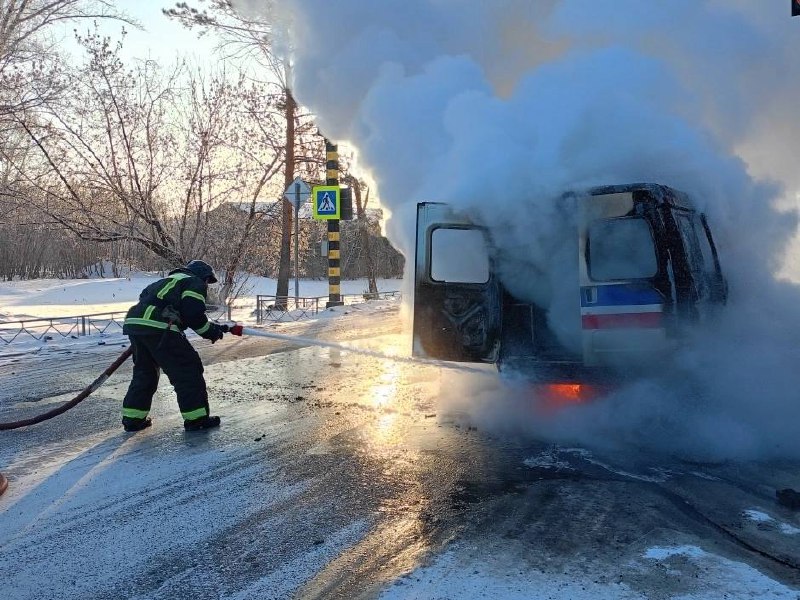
x: 237, y: 330
x: 64, y: 407
x: 75, y: 401
x: 89, y: 390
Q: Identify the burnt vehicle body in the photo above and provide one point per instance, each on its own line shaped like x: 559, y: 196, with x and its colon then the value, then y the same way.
x: 648, y: 270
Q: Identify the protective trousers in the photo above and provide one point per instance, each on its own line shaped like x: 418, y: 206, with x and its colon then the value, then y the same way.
x: 173, y: 353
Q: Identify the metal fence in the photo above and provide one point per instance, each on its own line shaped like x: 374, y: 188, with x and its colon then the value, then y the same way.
x: 48, y: 328
x: 269, y: 308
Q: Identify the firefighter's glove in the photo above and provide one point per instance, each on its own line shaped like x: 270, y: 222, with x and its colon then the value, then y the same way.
x: 234, y: 329
x: 214, y: 332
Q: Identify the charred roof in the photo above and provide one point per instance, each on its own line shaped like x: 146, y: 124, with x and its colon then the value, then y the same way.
x: 657, y: 192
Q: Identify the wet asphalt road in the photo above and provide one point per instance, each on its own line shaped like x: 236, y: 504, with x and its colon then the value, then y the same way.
x: 334, y: 476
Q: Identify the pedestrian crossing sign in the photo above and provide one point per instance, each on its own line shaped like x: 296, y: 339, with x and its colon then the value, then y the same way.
x: 327, y: 203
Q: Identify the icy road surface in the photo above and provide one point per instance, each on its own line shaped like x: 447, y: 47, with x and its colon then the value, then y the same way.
x: 337, y: 476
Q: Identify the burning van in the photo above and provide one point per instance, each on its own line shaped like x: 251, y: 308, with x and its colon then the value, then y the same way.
x: 642, y: 271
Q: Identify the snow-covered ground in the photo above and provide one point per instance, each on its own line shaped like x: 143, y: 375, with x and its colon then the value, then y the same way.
x: 466, y: 573
x: 55, y: 298
x: 79, y: 508
x: 58, y: 297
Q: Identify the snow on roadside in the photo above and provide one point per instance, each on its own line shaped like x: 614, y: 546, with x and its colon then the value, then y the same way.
x: 769, y: 521
x: 451, y: 576
x: 41, y: 350
x: 722, y: 577
x: 459, y: 574
x: 66, y: 297
x: 61, y: 298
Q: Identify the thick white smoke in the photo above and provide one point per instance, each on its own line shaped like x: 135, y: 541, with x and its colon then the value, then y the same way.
x: 500, y: 106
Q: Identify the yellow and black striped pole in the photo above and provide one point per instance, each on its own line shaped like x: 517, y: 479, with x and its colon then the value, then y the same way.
x: 334, y: 255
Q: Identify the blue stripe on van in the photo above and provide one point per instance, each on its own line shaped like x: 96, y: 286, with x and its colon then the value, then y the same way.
x: 621, y: 294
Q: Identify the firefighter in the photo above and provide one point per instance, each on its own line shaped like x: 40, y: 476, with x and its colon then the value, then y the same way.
x: 155, y: 326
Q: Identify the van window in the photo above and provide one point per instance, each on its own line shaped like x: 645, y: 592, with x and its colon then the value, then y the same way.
x: 705, y: 245
x: 694, y: 254
x: 459, y: 256
x: 621, y: 248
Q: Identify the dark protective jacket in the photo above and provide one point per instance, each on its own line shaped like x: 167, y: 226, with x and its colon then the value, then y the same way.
x: 174, y: 303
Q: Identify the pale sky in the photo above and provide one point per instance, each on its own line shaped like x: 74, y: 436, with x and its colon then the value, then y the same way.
x: 162, y: 39
x: 163, y: 36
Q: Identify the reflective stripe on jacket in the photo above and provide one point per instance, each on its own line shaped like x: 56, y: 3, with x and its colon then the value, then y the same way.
x: 174, y: 303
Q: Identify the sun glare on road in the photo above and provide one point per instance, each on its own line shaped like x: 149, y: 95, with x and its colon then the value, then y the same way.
x: 385, y: 389
x: 382, y: 398
x: 384, y: 428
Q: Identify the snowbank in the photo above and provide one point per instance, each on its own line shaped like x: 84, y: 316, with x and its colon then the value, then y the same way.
x: 59, y: 297
x: 53, y: 298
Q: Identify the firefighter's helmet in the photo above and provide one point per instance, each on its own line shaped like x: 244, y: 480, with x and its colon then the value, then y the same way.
x: 202, y: 270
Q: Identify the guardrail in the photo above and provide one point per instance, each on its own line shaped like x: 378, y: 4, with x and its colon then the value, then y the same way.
x: 65, y: 327
x: 268, y: 308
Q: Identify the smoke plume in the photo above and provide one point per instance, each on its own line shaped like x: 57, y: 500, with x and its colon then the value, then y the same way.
x: 499, y: 107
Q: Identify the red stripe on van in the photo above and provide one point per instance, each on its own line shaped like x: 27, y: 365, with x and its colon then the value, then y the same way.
x: 650, y: 320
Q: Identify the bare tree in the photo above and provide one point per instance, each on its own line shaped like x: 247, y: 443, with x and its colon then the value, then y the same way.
x: 253, y: 38
x: 259, y: 160
x: 30, y: 61
x: 28, y: 52
x: 361, y: 197
x: 104, y: 150
x: 144, y: 154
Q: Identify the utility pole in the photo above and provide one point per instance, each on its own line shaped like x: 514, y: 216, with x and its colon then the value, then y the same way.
x: 296, y: 242
x: 294, y: 194
x: 334, y: 255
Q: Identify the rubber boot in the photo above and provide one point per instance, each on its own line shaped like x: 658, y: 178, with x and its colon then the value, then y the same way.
x: 201, y: 423
x: 132, y: 425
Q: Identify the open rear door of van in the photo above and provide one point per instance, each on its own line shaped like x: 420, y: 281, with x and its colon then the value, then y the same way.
x: 457, y: 308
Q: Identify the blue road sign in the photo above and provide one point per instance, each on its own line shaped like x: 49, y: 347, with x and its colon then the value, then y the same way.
x: 327, y: 203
